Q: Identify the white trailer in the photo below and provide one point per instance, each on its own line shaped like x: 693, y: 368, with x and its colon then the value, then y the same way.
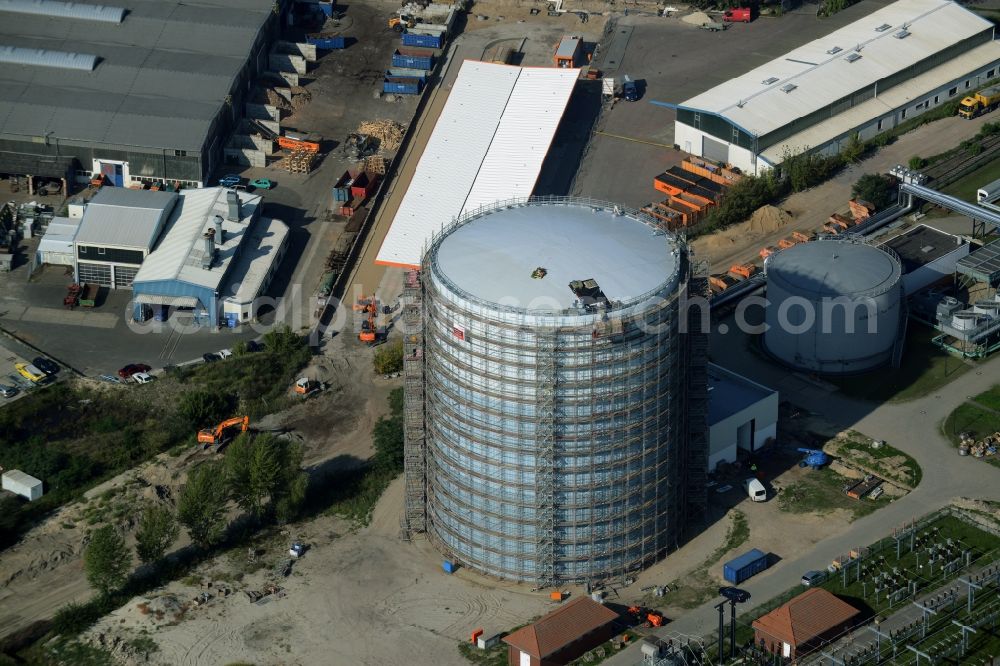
x: 988, y: 193
x: 22, y: 484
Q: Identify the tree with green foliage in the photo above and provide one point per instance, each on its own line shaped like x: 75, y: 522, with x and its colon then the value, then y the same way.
x: 106, y: 560
x: 877, y: 189
x: 917, y: 162
x: 264, y: 473
x: 201, y: 507
x: 157, y: 531
x: 282, y: 340
x: 201, y: 408
x: 388, y: 435
x: 389, y: 358
x: 805, y: 169
x: 743, y: 198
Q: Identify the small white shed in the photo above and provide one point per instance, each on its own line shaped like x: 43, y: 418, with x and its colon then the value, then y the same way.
x: 22, y: 484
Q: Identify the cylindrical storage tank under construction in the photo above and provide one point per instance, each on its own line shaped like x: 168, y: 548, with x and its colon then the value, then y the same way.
x: 833, y: 306
x: 554, y: 379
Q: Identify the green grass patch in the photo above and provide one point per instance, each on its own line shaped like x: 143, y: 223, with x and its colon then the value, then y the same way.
x: 925, y: 368
x: 990, y: 399
x: 970, y: 418
x: 698, y: 587
x: 66, y: 651
x: 822, y: 491
x: 965, y: 188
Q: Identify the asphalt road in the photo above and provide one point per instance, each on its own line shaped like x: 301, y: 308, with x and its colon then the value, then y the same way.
x: 913, y: 427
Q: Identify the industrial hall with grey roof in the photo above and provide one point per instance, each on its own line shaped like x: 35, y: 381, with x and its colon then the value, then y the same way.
x: 143, y: 90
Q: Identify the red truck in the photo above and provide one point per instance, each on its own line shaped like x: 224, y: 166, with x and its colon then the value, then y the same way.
x: 738, y: 15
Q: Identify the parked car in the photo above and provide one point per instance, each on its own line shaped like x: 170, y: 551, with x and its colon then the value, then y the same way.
x: 45, y: 365
x: 211, y: 358
x: 225, y: 353
x: 133, y: 368
x: 143, y: 377
x: 230, y: 180
x: 111, y: 379
x: 811, y: 578
x: 8, y: 391
x: 254, y: 346
x: 261, y: 184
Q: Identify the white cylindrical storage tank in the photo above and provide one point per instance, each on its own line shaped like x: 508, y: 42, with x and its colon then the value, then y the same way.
x: 553, y: 382
x: 988, y: 308
x: 833, y: 306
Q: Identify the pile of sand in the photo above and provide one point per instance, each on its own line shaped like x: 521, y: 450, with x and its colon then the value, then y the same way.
x: 768, y: 219
x: 697, y: 18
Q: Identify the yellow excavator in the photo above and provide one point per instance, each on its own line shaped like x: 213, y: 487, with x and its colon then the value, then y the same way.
x: 222, y: 433
x: 402, y: 22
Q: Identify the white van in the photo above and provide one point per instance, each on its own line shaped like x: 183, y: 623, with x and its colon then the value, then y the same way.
x: 755, y: 489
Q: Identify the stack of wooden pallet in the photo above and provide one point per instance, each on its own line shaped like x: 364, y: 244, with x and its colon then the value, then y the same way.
x: 373, y: 164
x: 298, y: 161
x: 388, y: 132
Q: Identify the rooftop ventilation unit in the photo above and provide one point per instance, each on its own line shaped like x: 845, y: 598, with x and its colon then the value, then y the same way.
x: 67, y: 10
x: 853, y: 57
x: 835, y: 50
x: 902, y: 34
x: 768, y: 81
x: 788, y: 87
x: 883, y: 27
x: 16, y: 55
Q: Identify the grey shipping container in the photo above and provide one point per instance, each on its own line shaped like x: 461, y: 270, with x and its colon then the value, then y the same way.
x: 402, y: 86
x: 433, y: 41
x: 413, y: 58
x: 746, y: 565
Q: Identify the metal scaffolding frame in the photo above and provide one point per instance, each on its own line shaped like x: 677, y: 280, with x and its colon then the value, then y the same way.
x: 553, y: 447
x: 414, y: 447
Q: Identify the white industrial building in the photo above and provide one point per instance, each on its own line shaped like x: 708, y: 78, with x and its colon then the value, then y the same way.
x: 742, y: 414
x: 17, y: 482
x: 488, y: 145
x: 858, y: 81
x: 215, y: 245
x: 58, y: 245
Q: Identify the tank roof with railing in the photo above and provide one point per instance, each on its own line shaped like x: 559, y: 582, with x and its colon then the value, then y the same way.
x: 831, y: 267
x: 522, y: 255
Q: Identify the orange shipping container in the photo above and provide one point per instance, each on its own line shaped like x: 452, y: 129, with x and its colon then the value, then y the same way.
x: 801, y: 237
x: 298, y: 144
x: 743, y: 270
x: 786, y: 243
x: 767, y: 252
x: 702, y: 202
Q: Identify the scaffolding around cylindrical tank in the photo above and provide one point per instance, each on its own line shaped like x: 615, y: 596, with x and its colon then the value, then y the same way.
x: 554, y: 438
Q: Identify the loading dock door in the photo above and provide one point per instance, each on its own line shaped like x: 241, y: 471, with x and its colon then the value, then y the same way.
x: 714, y: 150
x: 113, y: 173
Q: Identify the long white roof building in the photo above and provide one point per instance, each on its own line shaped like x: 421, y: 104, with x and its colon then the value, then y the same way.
x: 866, y: 78
x: 488, y: 145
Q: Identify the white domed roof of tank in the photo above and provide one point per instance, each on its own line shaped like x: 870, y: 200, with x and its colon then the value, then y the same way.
x: 493, y: 257
x: 830, y: 268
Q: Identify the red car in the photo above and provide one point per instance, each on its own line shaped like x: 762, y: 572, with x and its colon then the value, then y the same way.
x: 133, y: 368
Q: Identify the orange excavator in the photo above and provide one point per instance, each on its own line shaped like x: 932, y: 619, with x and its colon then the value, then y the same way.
x: 221, y: 433
x: 649, y: 617
x: 369, y: 329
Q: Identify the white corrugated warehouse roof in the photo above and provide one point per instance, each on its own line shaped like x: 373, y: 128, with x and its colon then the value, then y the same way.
x: 817, y: 75
x: 178, y: 255
x: 125, y: 218
x: 267, y: 236
x: 894, y: 98
x: 488, y: 144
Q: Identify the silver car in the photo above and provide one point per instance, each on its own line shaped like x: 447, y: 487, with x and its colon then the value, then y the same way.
x: 811, y: 578
x: 8, y: 391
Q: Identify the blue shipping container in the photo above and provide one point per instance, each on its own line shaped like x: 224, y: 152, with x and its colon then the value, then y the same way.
x: 746, y: 565
x: 413, y: 59
x: 402, y: 86
x: 327, y: 42
x: 448, y: 566
x: 426, y: 41
x: 326, y: 8
x: 406, y: 73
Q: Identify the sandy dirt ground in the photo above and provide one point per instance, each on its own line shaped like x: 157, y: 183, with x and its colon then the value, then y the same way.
x: 355, y: 598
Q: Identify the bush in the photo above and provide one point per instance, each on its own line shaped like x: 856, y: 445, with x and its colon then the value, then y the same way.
x: 744, y: 198
x: 917, y: 162
x: 876, y: 189
x: 389, y: 358
x: 74, y: 618
x: 201, y: 409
